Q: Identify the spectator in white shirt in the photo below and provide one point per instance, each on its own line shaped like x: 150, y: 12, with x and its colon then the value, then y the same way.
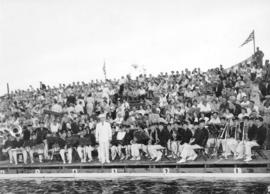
x: 79, y: 108
x: 204, y: 107
x: 245, y: 102
x: 215, y: 120
x: 55, y: 126
x: 243, y: 113
x: 56, y: 107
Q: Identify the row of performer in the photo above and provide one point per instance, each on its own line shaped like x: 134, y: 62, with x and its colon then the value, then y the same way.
x: 179, y: 140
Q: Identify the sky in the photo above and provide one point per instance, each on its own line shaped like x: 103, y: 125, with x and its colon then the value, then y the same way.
x: 61, y: 41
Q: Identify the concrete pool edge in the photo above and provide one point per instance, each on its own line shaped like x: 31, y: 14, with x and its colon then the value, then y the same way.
x: 135, y: 175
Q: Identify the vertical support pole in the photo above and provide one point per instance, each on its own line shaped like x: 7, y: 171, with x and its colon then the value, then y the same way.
x: 254, y: 50
x: 8, y: 90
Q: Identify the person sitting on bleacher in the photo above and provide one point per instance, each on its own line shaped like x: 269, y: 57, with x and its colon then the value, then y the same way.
x: 255, y: 138
x: 174, y: 143
x: 139, y: 142
x: 154, y: 147
x: 41, y: 134
x: 85, y: 148
x: 164, y: 134
x: 184, y: 136
x: 57, y: 144
x: 199, y: 141
x: 117, y: 143
x: 127, y: 140
x: 35, y: 146
x: 8, y: 147
x: 72, y: 142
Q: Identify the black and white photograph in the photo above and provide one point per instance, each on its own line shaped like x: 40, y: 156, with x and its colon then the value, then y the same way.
x: 135, y: 96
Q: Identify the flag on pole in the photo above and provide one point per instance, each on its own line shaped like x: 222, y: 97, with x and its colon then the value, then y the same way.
x: 250, y: 38
x: 104, y: 70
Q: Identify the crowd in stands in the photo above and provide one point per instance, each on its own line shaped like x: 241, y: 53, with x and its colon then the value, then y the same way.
x: 221, y: 112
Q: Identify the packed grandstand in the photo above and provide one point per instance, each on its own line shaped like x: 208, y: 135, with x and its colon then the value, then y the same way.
x: 151, y: 117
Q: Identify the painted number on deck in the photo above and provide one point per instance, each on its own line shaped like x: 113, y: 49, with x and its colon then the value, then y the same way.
x: 166, y: 170
x: 114, y: 170
x: 37, y: 171
x: 237, y: 170
x: 74, y: 171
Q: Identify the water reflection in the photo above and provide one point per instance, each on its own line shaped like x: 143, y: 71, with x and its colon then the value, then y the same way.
x: 134, y: 186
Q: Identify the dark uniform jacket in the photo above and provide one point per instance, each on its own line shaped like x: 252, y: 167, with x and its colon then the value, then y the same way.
x: 185, y: 135
x: 164, y: 136
x: 201, y: 137
x: 261, y: 135
x: 141, y: 137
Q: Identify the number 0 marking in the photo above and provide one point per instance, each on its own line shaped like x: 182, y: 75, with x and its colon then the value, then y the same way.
x: 114, y: 170
x: 74, y: 171
x: 166, y: 170
x: 237, y: 170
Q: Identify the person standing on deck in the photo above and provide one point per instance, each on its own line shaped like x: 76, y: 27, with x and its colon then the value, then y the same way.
x: 103, y: 138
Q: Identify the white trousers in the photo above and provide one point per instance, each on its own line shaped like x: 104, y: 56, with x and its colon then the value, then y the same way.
x: 154, y: 151
x: 231, y: 146
x: 14, y: 153
x: 66, y: 152
x: 212, y: 143
x: 240, y: 149
x: 188, y: 150
x: 84, y: 152
x: 116, y: 150
x: 128, y: 151
x: 135, y: 149
x: 103, y: 152
x: 31, y: 154
x: 175, y: 147
x: 248, y: 146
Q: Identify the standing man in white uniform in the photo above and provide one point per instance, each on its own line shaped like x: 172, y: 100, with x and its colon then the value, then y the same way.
x: 103, y: 137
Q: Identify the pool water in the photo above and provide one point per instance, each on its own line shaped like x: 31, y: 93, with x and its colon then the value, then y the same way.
x: 139, y: 185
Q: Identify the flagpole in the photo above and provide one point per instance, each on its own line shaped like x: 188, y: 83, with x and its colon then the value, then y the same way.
x: 104, y: 70
x: 254, y: 42
x: 8, y: 90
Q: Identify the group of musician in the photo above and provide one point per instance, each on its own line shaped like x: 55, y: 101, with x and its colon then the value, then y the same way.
x: 223, y: 137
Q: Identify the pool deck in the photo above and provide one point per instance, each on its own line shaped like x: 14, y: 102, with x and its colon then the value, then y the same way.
x: 215, y: 165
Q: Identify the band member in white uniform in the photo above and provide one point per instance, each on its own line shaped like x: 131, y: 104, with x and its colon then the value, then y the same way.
x: 103, y: 138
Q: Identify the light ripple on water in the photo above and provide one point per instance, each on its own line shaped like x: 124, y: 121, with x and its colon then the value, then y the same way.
x: 135, y: 185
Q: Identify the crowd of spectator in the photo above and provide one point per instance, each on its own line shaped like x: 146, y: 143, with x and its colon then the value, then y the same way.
x: 150, y: 110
